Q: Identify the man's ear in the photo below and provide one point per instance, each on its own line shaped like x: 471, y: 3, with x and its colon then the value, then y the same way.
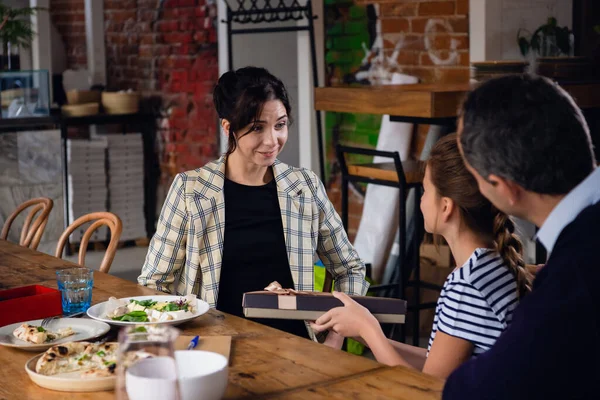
x: 506, y: 188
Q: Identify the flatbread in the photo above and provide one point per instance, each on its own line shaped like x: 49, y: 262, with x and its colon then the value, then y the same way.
x: 93, y: 360
x: 38, y: 335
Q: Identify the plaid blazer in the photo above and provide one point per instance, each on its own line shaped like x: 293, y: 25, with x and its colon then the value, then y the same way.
x: 186, y: 251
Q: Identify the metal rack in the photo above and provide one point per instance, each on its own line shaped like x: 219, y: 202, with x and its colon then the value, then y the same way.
x: 268, y: 11
x: 145, y: 123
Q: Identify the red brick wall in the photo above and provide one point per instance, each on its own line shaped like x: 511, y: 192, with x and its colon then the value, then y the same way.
x: 435, y: 37
x: 69, y: 18
x: 169, y: 52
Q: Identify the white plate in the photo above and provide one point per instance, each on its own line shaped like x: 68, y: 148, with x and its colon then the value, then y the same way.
x: 99, y: 311
x: 84, y: 329
x: 69, y: 382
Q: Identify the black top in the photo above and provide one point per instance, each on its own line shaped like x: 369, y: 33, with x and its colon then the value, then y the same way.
x: 551, y: 348
x: 254, y: 252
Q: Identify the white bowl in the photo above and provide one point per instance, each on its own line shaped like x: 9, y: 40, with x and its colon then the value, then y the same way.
x: 152, y: 378
x: 202, y: 374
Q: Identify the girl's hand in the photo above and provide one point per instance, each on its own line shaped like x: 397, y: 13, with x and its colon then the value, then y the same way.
x: 334, y: 341
x: 352, y: 320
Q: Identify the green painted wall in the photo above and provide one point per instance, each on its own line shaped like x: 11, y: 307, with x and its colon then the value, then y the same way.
x: 347, y: 28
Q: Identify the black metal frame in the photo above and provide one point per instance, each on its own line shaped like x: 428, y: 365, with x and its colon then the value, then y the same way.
x: 147, y: 125
x: 401, y: 277
x: 279, y: 12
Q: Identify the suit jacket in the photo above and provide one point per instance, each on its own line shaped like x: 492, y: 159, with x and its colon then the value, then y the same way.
x: 186, y: 251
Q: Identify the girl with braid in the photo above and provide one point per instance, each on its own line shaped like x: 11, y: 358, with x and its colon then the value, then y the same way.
x: 478, y: 298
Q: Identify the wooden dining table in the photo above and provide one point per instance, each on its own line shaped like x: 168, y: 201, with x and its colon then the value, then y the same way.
x: 264, y: 362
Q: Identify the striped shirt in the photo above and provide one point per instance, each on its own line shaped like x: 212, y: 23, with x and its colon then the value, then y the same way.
x: 477, y: 301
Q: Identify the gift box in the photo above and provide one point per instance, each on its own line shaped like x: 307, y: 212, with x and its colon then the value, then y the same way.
x: 310, y: 306
x: 28, y: 303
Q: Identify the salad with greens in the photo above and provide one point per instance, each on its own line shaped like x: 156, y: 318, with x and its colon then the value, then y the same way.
x: 150, y: 310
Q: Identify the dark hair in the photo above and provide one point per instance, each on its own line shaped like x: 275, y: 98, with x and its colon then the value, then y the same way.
x: 240, y: 95
x: 451, y: 179
x: 527, y: 129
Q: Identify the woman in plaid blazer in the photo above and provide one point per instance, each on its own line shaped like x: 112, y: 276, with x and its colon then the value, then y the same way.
x: 187, y: 251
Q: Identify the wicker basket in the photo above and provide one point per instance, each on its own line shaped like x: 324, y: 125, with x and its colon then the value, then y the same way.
x: 83, y: 96
x: 80, y: 110
x: 9, y: 95
x: 120, y: 102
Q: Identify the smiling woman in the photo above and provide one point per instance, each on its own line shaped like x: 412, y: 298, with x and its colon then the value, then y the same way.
x: 246, y: 219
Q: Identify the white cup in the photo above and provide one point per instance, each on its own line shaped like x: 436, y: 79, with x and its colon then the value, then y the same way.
x: 152, y: 378
x: 202, y: 374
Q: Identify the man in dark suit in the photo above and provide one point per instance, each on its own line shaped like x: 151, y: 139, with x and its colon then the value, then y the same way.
x: 529, y: 147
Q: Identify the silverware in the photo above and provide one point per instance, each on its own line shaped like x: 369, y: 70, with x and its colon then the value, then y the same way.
x: 46, y: 321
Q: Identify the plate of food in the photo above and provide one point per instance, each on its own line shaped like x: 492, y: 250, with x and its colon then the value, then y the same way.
x: 31, y: 336
x: 75, y: 367
x: 142, y: 310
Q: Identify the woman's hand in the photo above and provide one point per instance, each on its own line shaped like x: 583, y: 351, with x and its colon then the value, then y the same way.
x: 352, y: 320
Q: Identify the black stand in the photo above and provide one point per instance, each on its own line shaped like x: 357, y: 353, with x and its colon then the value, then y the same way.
x: 408, y: 259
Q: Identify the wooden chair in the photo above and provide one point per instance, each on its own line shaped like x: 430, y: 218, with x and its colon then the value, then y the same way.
x: 31, y: 233
x: 328, y: 282
x: 99, y: 218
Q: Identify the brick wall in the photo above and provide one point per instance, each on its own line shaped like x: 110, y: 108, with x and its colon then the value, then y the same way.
x: 167, y: 51
x: 69, y: 18
x: 432, y: 37
x: 170, y: 52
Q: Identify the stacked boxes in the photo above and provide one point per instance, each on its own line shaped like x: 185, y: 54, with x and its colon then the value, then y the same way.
x: 126, y: 183
x: 87, y: 183
x: 107, y: 174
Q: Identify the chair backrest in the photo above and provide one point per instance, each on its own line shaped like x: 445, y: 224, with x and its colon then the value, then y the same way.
x: 31, y: 233
x: 98, y: 219
x: 328, y: 282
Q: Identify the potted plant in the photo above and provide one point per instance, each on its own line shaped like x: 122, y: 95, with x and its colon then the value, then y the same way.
x: 549, y: 40
x: 15, y: 30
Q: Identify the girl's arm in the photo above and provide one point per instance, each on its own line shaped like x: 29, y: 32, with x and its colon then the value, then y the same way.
x: 354, y: 320
x: 446, y: 354
x: 415, y: 356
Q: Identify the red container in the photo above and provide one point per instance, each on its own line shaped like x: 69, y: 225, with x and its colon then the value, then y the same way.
x: 27, y: 303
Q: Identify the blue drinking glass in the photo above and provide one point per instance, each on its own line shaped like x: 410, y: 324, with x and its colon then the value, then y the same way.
x: 75, y: 285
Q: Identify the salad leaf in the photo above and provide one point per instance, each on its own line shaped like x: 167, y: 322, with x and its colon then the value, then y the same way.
x: 40, y: 329
x: 134, y: 316
x: 144, y: 303
x: 176, y: 306
x: 135, y: 319
x: 170, y: 307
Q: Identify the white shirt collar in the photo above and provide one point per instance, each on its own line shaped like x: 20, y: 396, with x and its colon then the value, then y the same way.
x: 583, y: 195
